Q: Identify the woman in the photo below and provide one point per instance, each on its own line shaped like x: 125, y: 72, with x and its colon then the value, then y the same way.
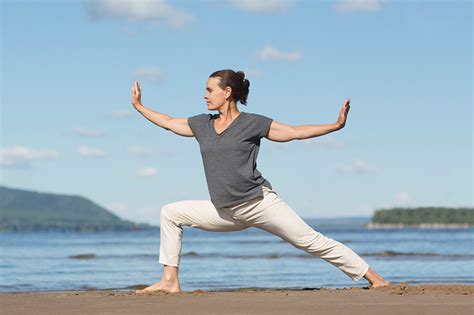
x: 240, y: 197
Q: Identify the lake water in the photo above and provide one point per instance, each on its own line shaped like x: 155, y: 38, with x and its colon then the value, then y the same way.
x: 250, y: 258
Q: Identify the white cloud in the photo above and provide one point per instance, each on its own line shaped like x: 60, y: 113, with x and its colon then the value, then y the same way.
x: 362, y: 167
x: 147, y: 171
x: 154, y: 11
x: 152, y: 74
x: 121, y: 114
x: 91, y: 152
x: 20, y: 156
x: 358, y: 5
x: 263, y: 6
x: 83, y: 132
x: 269, y: 53
x: 357, y: 167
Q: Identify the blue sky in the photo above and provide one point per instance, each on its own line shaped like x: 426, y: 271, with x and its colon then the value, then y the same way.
x: 68, y: 126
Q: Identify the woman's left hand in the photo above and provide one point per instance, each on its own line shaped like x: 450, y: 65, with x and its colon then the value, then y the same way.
x: 341, y: 121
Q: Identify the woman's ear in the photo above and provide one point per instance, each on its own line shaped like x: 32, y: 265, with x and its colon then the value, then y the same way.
x: 228, y: 92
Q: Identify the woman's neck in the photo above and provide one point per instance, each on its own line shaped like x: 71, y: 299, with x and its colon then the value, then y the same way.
x: 228, y: 113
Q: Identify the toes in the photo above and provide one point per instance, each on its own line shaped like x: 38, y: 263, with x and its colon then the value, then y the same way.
x: 138, y: 291
x: 382, y: 285
x: 142, y: 291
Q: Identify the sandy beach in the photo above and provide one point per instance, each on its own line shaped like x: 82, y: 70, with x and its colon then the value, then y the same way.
x: 396, y: 299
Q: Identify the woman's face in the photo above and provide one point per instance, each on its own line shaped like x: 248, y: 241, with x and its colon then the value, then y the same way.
x: 215, y: 96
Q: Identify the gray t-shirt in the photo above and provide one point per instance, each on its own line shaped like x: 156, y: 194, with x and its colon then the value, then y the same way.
x: 230, y: 158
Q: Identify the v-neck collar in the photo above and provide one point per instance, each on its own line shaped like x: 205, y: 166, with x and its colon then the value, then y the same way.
x: 232, y: 123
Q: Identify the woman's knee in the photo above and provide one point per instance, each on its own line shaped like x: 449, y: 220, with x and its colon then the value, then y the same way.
x: 170, y: 210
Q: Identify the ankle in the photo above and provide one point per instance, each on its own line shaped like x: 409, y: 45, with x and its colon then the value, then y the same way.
x: 170, y: 274
x: 373, y: 277
x: 169, y: 278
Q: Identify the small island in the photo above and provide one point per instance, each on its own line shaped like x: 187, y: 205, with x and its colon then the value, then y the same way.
x: 423, y: 217
x: 28, y: 211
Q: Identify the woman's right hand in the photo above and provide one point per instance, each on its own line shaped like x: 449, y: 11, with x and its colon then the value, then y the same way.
x: 136, y: 96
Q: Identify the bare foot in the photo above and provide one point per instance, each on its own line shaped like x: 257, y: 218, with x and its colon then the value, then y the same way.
x: 376, y: 280
x: 380, y: 284
x: 161, y: 286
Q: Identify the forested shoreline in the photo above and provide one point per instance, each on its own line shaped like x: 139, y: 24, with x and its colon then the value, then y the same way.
x: 424, y: 216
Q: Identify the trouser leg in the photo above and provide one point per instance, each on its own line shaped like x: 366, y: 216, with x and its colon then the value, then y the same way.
x: 199, y: 214
x: 278, y: 218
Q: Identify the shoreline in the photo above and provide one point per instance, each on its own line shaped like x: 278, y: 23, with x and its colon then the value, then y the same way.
x: 394, y: 299
x: 410, y: 286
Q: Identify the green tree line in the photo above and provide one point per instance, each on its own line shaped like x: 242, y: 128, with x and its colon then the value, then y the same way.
x: 424, y: 215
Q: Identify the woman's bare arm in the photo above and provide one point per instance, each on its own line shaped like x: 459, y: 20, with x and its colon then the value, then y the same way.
x: 179, y: 126
x: 282, y: 133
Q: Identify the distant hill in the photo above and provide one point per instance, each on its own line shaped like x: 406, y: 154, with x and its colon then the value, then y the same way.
x: 23, y: 210
x: 424, y: 215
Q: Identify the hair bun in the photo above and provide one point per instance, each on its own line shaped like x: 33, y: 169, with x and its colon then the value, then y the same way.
x: 241, y: 74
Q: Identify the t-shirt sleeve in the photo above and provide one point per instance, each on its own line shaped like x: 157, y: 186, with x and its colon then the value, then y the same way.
x: 264, y: 124
x: 197, y: 123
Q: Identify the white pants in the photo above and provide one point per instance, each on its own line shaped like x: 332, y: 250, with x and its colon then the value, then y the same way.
x: 269, y: 213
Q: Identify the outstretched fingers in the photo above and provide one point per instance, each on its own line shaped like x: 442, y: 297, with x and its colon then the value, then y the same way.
x: 346, y: 106
x: 136, y: 88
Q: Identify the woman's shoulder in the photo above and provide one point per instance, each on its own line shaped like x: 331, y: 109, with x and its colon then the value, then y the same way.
x: 202, y: 116
x: 199, y: 121
x: 256, y: 116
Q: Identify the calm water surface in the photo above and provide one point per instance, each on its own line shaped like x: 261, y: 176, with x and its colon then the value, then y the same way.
x: 230, y: 260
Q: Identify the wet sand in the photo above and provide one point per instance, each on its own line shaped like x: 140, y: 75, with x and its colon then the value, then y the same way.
x: 395, y: 299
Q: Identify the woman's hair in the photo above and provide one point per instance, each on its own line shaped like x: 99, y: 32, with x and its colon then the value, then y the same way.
x: 236, y: 80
